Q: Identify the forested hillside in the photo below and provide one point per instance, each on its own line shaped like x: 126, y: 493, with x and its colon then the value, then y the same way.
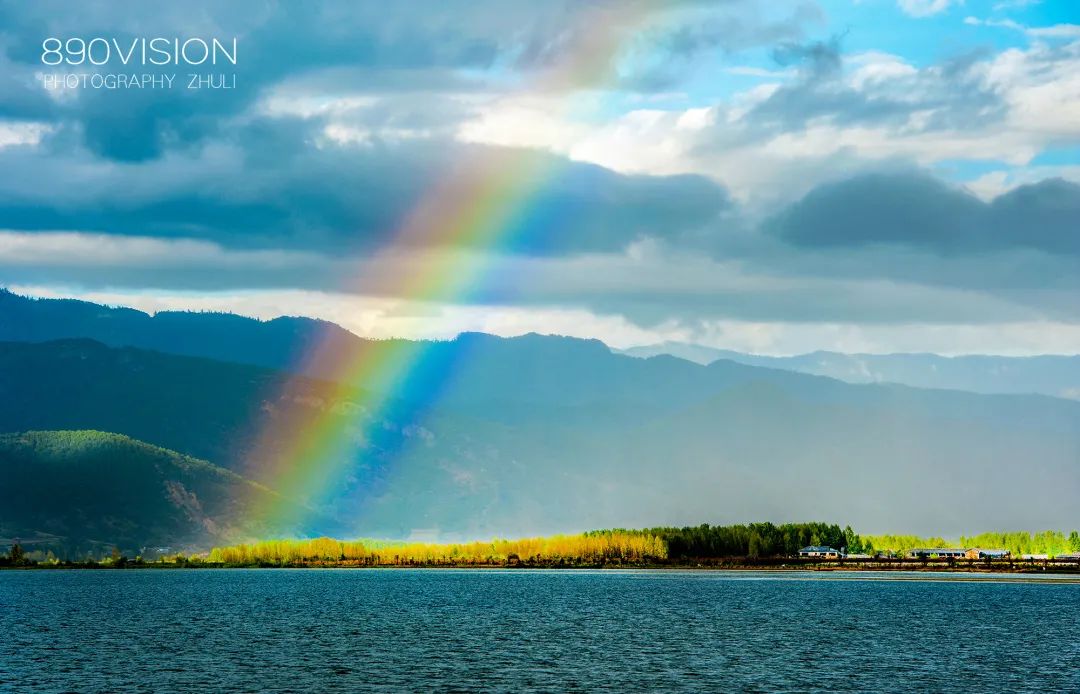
x: 85, y: 492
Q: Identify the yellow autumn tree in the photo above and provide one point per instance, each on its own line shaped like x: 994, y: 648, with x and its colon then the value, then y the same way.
x: 591, y: 548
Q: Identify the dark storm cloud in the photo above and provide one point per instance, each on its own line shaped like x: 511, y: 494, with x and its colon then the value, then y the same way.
x: 213, y: 165
x: 352, y: 46
x: 276, y: 41
x: 915, y: 210
x: 210, y: 165
x: 272, y: 185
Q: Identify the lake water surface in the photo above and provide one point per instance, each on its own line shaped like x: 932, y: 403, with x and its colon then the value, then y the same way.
x: 400, y: 630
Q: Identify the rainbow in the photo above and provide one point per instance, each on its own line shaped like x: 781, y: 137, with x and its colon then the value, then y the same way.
x: 480, y: 204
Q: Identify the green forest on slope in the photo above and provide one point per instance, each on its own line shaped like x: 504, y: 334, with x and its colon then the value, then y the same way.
x: 84, y: 492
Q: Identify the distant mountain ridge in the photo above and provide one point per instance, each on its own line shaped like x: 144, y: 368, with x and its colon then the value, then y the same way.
x: 281, y: 343
x: 472, y: 369
x: 318, y: 348
x: 1054, y: 375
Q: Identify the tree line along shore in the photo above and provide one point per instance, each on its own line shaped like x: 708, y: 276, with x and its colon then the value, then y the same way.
x: 755, y: 545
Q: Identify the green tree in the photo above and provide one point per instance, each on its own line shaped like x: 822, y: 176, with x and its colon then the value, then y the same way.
x: 1074, y: 541
x: 852, y: 541
x: 755, y: 546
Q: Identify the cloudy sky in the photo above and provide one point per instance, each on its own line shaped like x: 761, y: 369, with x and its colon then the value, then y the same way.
x: 775, y: 177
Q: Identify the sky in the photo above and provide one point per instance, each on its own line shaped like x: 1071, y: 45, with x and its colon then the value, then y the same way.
x: 772, y: 177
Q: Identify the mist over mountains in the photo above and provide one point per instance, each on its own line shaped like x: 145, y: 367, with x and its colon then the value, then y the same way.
x: 535, y: 434
x: 1051, y: 374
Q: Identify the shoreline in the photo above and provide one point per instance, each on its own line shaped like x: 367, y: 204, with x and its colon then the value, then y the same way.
x: 878, y: 569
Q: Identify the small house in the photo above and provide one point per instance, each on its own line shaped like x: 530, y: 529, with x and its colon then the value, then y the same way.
x: 939, y: 552
x: 979, y: 553
x: 819, y: 552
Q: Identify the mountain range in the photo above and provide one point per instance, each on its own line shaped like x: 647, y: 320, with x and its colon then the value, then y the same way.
x: 525, y: 435
x: 1050, y: 374
x: 287, y: 343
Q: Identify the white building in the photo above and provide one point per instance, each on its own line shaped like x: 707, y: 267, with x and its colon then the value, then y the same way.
x: 819, y: 552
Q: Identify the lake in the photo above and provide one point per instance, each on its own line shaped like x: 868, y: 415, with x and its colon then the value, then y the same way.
x: 396, y: 629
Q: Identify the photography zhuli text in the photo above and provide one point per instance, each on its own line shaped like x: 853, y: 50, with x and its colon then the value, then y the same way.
x: 110, y: 63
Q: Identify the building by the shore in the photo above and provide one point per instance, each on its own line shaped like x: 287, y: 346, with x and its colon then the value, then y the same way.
x: 819, y: 552
x: 954, y: 553
x: 981, y: 553
x: 940, y: 552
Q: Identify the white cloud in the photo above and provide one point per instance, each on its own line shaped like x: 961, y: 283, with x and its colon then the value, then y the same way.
x: 648, y: 294
x: 1056, y: 31
x: 990, y: 185
x: 1042, y: 89
x: 1014, y: 4
x: 994, y: 183
x: 752, y: 71
x: 1032, y: 94
x: 15, y: 133
x: 279, y: 103
x: 875, y: 69
x: 926, y: 8
x: 352, y: 135
x: 537, y: 121
x: 80, y: 249
x: 1009, y: 339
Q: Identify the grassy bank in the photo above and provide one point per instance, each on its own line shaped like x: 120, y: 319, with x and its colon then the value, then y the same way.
x: 589, y: 548
x: 750, y: 546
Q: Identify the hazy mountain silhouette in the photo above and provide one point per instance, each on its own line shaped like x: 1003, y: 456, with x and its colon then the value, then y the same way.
x: 318, y: 348
x: 282, y: 343
x: 1056, y: 375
